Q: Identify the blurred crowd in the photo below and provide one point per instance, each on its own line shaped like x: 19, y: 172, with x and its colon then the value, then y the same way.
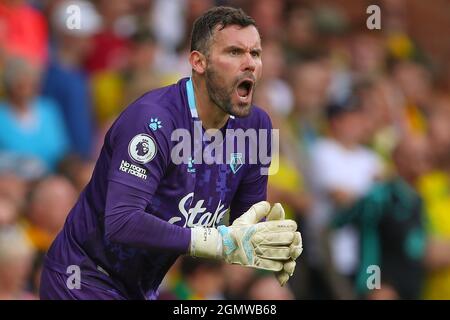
x: 364, y: 120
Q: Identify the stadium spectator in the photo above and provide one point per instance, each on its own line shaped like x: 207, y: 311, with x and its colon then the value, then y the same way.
x: 110, y: 44
x: 199, y: 279
x: 65, y: 80
x: 23, y: 32
x: 15, y: 264
x: 300, y: 33
x: 390, y: 221
x: 270, y: 15
x: 77, y: 170
x: 434, y: 188
x: 32, y: 127
x: 265, y: 287
x: 414, y: 87
x: 9, y: 212
x: 343, y: 170
x: 14, y: 188
x: 237, y: 280
x: 310, y: 81
x: 50, y: 201
x: 113, y: 89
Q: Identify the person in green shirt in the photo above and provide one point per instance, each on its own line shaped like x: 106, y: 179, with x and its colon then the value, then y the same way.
x: 391, y: 228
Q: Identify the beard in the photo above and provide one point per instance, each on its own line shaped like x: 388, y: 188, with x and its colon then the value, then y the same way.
x: 221, y: 94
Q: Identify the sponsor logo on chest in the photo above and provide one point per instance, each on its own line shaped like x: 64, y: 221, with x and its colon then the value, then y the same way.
x: 197, y: 215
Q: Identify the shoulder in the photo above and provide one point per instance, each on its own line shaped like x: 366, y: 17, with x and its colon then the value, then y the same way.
x: 156, y: 113
x: 324, y: 145
x: 380, y: 192
x: 166, y: 102
x: 432, y: 184
x: 369, y: 155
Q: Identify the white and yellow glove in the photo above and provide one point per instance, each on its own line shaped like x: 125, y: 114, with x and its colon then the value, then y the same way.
x: 248, y: 242
x: 296, y: 248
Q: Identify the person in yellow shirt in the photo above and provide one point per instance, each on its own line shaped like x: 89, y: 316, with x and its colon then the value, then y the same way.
x: 434, y: 188
x: 287, y: 186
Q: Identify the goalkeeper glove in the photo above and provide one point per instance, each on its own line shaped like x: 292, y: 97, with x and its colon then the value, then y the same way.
x: 248, y: 242
x: 296, y: 248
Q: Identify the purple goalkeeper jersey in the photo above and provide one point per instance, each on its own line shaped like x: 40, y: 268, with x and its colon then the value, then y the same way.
x: 143, y: 150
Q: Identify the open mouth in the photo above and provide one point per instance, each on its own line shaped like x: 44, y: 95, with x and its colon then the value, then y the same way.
x: 244, y: 88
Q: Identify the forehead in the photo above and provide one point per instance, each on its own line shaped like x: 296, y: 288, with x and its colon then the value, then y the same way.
x: 235, y: 35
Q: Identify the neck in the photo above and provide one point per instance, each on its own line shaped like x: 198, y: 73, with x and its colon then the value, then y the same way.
x: 20, y: 105
x: 409, y: 179
x: 211, y: 115
x: 344, y: 142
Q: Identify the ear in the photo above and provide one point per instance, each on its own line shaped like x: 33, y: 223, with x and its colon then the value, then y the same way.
x: 197, y: 61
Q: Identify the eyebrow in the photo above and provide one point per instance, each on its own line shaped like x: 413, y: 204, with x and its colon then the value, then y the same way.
x: 241, y: 48
x: 258, y: 49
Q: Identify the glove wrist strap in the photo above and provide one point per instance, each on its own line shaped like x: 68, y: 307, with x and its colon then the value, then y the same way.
x: 206, y: 243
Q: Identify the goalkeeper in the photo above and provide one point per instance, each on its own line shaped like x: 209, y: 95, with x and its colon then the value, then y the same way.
x: 143, y: 208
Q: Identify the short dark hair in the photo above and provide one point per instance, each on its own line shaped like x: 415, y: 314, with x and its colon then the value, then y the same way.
x: 335, y: 109
x: 204, y: 25
x: 142, y: 36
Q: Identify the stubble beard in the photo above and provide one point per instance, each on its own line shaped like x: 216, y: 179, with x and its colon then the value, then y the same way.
x: 221, y: 95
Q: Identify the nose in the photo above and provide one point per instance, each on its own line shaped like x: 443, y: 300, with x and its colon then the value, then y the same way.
x: 249, y: 63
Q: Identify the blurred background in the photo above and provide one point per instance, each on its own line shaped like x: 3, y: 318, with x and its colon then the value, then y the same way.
x: 364, y: 119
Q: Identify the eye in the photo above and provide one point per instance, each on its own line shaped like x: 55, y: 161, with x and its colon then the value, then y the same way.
x: 256, y: 54
x: 234, y: 52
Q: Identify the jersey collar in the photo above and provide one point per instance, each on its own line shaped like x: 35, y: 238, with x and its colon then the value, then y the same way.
x: 191, y: 98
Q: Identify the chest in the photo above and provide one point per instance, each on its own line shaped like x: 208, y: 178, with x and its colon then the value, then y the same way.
x: 196, y: 194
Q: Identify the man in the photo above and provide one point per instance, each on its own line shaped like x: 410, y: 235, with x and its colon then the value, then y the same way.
x: 16, y: 260
x: 390, y: 223
x: 342, y: 170
x: 64, y: 79
x: 33, y: 133
x: 141, y: 210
